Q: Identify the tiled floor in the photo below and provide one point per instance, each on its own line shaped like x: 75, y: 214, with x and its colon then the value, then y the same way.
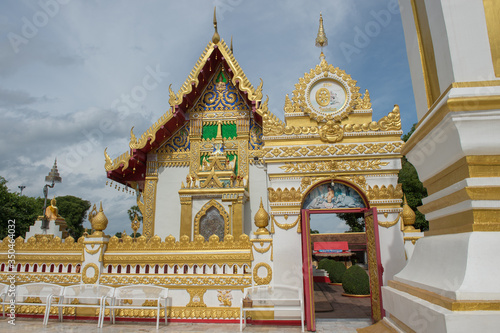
x: 24, y: 325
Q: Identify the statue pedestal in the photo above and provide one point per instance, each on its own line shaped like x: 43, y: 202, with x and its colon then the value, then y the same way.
x: 57, y: 228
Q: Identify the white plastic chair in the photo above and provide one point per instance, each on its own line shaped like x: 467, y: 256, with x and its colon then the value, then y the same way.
x: 40, y: 290
x: 88, y: 295
x: 138, y: 294
x: 4, y: 289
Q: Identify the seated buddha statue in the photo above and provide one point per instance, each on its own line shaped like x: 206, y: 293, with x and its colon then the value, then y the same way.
x: 51, y: 211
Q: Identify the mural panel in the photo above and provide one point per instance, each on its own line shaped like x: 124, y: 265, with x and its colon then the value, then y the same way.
x: 333, y: 195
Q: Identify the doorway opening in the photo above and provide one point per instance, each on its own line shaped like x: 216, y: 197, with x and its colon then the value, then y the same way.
x: 333, y: 197
x: 343, y: 239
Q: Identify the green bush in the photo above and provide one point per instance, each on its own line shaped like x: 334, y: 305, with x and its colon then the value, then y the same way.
x: 336, y: 272
x: 355, y: 281
x: 327, y: 265
x: 322, y: 263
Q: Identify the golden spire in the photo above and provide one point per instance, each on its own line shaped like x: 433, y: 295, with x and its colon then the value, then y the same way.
x: 215, y: 37
x: 231, y: 47
x: 321, y: 39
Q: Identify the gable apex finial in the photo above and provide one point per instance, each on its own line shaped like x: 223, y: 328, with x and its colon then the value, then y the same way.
x: 321, y: 39
x: 215, y: 37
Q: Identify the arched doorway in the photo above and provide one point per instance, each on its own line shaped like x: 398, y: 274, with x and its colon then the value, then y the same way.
x: 340, y: 196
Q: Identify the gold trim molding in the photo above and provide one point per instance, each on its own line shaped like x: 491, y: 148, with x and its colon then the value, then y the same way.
x: 341, y: 165
x: 217, y: 281
x: 58, y: 278
x: 445, y: 302
x: 44, y: 243
x: 155, y: 244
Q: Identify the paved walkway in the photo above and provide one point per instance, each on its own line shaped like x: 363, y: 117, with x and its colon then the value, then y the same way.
x: 27, y: 325
x: 331, y: 304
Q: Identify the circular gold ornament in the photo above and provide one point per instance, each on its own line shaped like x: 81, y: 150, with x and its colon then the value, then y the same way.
x: 262, y: 280
x: 90, y: 279
x: 323, y: 97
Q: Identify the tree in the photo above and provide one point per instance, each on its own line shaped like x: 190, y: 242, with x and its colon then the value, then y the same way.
x: 19, y: 208
x: 355, y: 221
x: 74, y: 211
x: 132, y: 211
x: 26, y: 210
x: 413, y: 187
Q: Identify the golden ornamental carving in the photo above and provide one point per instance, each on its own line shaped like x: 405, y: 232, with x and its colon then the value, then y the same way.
x: 239, y: 78
x: 412, y: 239
x: 196, y: 297
x: 331, y: 132
x: 327, y: 150
x: 286, y: 226
x: 286, y: 195
x: 264, y: 249
x: 388, y: 224
x: 391, y: 122
x: 92, y: 250
x: 408, y: 218
x: 179, y: 312
x: 262, y: 280
x: 367, y: 104
x: 99, y: 221
x: 372, y: 268
x: 44, y: 243
x: 384, y: 192
x: 221, y: 95
x: 90, y: 279
x: 155, y: 244
x: 322, y: 71
x: 261, y: 220
x: 363, y: 103
x: 57, y: 278
x: 224, y: 297
x: 148, y: 217
x: 341, y: 165
x: 207, y: 281
x: 203, y: 211
x: 273, y: 126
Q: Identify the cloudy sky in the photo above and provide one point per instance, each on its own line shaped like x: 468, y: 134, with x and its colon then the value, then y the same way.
x: 67, y: 67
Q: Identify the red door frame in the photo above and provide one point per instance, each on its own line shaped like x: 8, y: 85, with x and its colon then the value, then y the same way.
x: 307, y: 260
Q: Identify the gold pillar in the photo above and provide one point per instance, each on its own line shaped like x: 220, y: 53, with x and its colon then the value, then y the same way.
x: 238, y: 217
x: 186, y: 216
x: 148, y: 224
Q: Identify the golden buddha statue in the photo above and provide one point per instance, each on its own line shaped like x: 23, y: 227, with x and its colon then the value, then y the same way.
x: 51, y: 212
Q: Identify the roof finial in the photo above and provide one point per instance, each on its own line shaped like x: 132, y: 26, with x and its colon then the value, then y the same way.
x: 321, y: 39
x: 231, y: 47
x: 215, y: 37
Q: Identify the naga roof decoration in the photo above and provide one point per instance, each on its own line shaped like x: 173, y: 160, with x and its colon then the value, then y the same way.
x: 131, y: 166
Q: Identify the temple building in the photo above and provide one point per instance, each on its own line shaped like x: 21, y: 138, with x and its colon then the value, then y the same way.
x: 221, y: 175
x: 227, y: 191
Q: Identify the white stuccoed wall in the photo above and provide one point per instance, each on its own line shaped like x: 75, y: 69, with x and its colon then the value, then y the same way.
x: 168, y: 214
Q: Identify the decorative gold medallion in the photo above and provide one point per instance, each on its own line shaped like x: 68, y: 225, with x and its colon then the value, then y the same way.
x: 90, y: 279
x: 262, y: 280
x: 323, y: 97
